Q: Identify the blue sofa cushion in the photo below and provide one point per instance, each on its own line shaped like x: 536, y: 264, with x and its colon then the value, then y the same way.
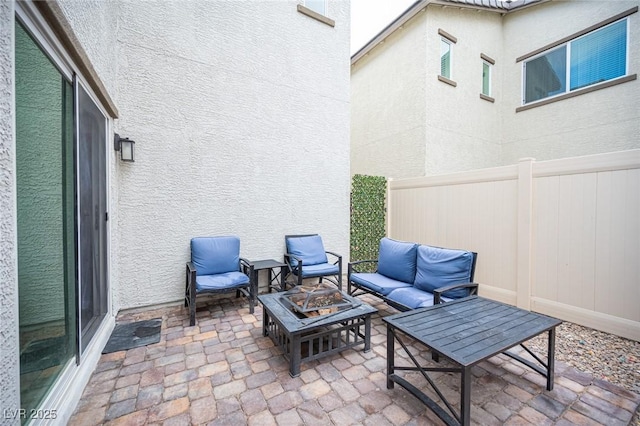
x: 377, y: 282
x: 440, y: 267
x: 222, y: 282
x: 411, y: 297
x: 318, y: 270
x: 397, y: 260
x: 215, y: 255
x: 309, y: 249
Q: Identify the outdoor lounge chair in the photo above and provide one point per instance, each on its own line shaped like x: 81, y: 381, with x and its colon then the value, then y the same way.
x: 216, y: 267
x: 307, y: 258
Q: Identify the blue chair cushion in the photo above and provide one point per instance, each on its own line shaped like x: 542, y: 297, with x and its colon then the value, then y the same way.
x: 319, y: 270
x: 440, y: 267
x: 397, y: 260
x: 309, y: 249
x: 413, y: 298
x: 224, y: 281
x: 377, y: 282
x: 215, y: 255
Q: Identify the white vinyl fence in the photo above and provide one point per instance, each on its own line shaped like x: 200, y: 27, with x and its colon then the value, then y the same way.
x: 558, y: 237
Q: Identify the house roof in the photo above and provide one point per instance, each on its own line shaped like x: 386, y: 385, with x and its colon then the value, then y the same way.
x: 493, y: 4
x: 497, y: 6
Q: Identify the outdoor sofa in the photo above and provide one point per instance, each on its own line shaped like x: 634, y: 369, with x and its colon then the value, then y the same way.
x: 411, y: 276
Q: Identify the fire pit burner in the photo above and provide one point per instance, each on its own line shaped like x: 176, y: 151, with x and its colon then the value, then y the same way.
x: 312, y: 300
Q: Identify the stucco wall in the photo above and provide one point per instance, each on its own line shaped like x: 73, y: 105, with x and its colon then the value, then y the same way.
x: 463, y: 131
x: 387, y: 106
x: 602, y: 121
x: 240, y: 113
x: 9, y: 341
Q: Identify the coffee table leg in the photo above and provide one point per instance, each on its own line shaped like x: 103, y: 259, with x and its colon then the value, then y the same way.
x: 265, y: 322
x: 550, y: 358
x: 295, y: 356
x: 367, y: 333
x: 465, y: 396
x: 390, y: 354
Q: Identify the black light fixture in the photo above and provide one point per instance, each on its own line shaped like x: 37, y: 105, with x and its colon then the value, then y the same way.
x: 125, y: 146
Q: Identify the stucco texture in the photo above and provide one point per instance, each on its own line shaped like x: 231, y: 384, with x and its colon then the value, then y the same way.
x: 9, y: 341
x: 388, y: 108
x: 240, y: 113
x: 602, y: 121
x: 458, y: 130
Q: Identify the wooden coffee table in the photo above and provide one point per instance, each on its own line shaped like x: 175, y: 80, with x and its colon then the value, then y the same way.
x: 303, y: 339
x: 466, y: 331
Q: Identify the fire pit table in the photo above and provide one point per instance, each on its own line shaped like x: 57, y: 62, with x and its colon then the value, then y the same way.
x: 342, y: 325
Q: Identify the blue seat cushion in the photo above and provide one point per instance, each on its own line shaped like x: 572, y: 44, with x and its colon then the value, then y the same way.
x: 397, y: 260
x: 309, y: 249
x: 221, y: 282
x: 319, y: 270
x: 440, y: 267
x: 376, y: 282
x: 413, y: 298
x: 215, y: 255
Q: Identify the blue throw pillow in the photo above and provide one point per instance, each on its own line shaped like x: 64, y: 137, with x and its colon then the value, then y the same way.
x: 309, y: 249
x: 397, y: 260
x: 440, y: 267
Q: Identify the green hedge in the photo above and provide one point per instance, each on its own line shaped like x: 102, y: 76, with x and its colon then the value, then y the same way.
x: 367, y: 215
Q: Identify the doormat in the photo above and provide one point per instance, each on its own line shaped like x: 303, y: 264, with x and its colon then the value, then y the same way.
x: 133, y: 335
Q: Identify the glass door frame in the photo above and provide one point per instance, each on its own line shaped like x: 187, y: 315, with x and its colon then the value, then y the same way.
x: 66, y: 387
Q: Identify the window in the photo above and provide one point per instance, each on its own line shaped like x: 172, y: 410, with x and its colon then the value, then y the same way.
x: 319, y: 6
x: 592, y: 58
x: 445, y: 58
x: 316, y: 9
x: 486, y: 78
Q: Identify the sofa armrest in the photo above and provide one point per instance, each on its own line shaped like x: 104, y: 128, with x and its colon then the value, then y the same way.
x: 437, y: 293
x: 352, y: 265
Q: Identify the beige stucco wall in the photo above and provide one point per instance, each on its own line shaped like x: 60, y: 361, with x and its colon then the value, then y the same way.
x: 459, y: 130
x: 240, y: 113
x: 602, y: 121
x: 463, y: 131
x: 387, y: 106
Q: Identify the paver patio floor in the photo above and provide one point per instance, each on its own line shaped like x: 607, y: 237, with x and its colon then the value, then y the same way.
x: 223, y: 371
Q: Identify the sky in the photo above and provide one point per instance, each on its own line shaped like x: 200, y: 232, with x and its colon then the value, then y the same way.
x: 369, y: 17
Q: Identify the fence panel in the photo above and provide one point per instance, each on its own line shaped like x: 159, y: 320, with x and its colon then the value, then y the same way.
x: 559, y: 237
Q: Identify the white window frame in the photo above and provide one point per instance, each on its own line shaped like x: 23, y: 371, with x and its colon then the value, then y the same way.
x: 568, y: 44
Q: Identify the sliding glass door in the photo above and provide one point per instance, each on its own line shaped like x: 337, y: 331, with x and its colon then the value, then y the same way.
x: 92, y: 191
x: 61, y: 179
x: 45, y: 175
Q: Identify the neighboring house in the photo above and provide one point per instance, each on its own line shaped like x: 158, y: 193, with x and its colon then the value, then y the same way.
x: 240, y: 116
x: 454, y: 85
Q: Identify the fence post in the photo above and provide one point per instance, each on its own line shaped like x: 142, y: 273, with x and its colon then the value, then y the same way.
x: 525, y: 233
x: 387, y: 207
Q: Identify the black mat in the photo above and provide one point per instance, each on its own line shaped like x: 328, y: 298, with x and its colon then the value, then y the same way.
x: 133, y: 335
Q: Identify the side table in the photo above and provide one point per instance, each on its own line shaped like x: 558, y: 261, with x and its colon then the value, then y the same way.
x: 275, y: 278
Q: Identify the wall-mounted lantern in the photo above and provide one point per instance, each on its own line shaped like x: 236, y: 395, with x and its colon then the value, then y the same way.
x: 125, y: 146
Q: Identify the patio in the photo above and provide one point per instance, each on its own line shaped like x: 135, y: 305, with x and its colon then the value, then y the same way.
x: 223, y: 371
